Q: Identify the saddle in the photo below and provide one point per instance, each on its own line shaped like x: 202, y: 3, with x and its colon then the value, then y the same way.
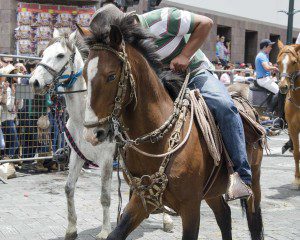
x: 254, y: 132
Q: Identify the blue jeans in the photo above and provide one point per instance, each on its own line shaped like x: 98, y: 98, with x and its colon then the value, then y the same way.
x: 55, y: 135
x: 10, y: 137
x: 228, y: 119
x: 2, y: 142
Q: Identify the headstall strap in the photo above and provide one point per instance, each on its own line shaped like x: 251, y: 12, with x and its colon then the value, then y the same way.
x: 125, y: 78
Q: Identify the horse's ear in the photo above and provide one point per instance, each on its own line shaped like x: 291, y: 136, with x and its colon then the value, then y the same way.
x: 56, y: 33
x: 72, y: 36
x: 280, y: 44
x: 115, y: 37
x: 84, y: 32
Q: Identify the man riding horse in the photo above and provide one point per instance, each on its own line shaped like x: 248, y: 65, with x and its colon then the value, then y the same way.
x: 180, y: 34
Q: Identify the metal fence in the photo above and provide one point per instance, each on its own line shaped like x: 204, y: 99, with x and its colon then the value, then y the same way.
x: 28, y: 126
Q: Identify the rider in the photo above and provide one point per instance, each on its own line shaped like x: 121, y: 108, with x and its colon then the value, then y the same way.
x: 264, y: 67
x: 180, y: 34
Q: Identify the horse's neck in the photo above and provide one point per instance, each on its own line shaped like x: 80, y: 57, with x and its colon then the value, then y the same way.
x: 75, y: 102
x: 154, y: 105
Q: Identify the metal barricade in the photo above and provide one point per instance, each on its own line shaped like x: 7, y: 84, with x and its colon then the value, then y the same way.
x: 27, y: 121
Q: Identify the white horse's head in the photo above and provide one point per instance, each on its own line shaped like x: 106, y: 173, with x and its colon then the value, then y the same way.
x: 58, y: 59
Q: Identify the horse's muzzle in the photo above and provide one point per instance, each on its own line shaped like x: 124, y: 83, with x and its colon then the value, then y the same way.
x: 96, y: 135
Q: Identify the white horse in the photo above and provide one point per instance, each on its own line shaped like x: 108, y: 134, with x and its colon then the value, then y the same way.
x: 57, y: 55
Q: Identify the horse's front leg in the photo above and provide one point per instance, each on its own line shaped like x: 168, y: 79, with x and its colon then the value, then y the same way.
x: 106, y: 177
x: 134, y: 213
x: 190, y: 215
x: 75, y: 166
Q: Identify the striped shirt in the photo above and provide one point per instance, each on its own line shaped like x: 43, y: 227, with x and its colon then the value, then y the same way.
x: 173, y: 28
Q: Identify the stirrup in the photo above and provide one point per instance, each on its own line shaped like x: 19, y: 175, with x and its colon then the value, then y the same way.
x: 237, y: 189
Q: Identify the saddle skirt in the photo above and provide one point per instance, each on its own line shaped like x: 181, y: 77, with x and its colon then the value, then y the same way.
x: 254, y: 132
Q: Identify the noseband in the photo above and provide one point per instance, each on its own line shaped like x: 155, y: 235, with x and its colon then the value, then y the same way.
x: 125, y: 78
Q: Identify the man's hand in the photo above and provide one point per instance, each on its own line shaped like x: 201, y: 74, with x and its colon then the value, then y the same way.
x: 179, y: 63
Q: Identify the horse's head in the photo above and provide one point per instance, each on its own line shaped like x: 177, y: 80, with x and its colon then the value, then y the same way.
x: 113, y: 71
x: 289, y: 64
x: 110, y: 89
x: 58, y: 59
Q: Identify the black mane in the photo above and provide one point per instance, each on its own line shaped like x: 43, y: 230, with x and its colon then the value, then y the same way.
x: 139, y: 38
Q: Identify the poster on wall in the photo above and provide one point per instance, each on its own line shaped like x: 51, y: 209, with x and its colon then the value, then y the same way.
x: 37, y: 21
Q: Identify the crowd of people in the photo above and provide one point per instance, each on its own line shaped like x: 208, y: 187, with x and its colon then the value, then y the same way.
x: 28, y: 128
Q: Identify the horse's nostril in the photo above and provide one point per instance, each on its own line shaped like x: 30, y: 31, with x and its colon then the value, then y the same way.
x: 100, y: 133
x: 36, y: 83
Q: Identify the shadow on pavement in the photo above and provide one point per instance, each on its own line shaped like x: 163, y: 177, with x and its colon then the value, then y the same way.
x: 285, y: 191
x: 90, y: 234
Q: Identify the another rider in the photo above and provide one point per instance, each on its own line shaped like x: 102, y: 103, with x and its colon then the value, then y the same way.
x: 264, y: 67
x: 180, y: 34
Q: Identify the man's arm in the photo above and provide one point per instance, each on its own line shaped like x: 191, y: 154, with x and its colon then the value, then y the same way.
x: 269, y: 67
x: 202, y: 27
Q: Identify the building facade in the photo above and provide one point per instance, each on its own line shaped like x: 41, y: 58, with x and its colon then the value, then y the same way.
x: 243, y: 23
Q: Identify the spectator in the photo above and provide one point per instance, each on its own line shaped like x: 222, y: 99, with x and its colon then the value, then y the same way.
x: 225, y: 77
x: 222, y: 51
x: 228, y: 47
x: 5, y: 61
x: 8, y: 114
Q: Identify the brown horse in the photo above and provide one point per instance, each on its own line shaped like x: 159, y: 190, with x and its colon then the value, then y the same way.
x: 289, y: 66
x: 144, y: 106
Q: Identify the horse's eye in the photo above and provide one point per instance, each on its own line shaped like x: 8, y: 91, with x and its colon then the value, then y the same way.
x: 111, y: 77
x: 61, y: 55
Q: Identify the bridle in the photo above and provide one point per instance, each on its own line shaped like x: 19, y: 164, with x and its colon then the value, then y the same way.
x: 69, y: 80
x: 294, y: 75
x: 125, y: 78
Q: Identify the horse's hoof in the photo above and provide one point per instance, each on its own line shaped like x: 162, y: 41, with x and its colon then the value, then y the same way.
x: 103, y: 235
x: 71, y: 236
x: 168, y: 227
x: 296, y: 183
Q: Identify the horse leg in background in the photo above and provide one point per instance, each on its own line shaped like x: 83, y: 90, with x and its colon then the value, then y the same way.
x: 167, y: 221
x: 190, y: 215
x: 254, y: 216
x: 288, y: 145
x: 106, y: 177
x: 75, y: 166
x: 294, y: 134
x: 222, y: 214
x: 134, y: 213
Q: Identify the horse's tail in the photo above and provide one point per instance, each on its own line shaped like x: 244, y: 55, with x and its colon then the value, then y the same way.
x: 255, y: 223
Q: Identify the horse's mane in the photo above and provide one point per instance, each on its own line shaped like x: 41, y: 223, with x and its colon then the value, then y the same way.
x: 139, y: 38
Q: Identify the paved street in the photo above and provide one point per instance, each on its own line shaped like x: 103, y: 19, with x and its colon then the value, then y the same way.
x: 34, y: 206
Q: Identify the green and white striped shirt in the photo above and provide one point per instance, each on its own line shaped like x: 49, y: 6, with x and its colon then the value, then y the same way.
x: 173, y: 27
